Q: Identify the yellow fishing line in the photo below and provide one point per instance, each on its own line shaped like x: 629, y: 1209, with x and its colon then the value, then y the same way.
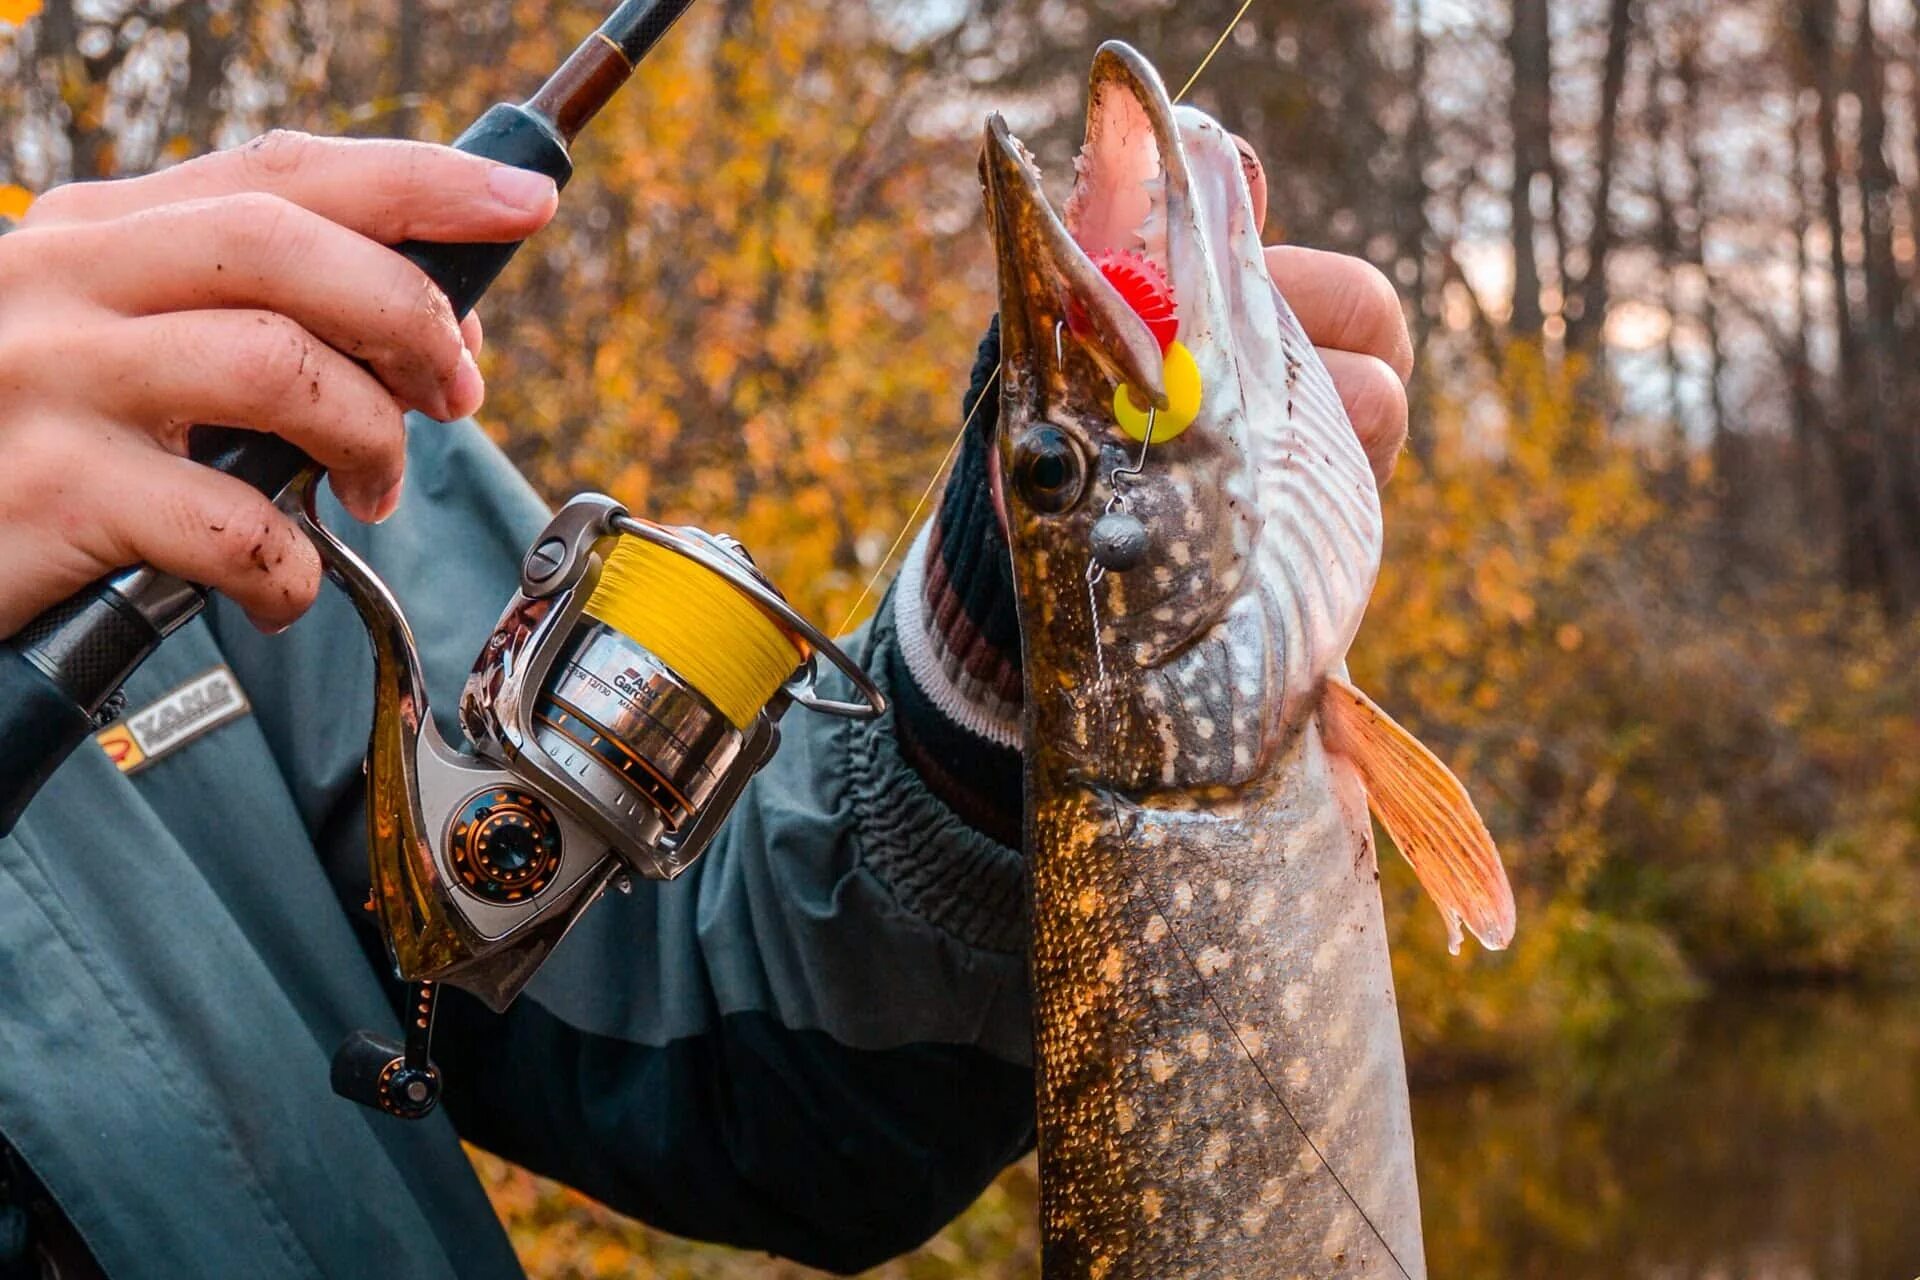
x: 698, y: 623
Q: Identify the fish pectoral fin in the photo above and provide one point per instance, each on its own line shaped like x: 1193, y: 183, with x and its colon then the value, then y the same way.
x: 1427, y: 812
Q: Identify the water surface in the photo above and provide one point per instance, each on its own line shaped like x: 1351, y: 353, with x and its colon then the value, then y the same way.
x: 1760, y: 1137
x: 1757, y: 1137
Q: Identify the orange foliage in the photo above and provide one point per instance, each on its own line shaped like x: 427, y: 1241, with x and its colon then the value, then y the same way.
x: 1687, y: 777
x: 750, y: 316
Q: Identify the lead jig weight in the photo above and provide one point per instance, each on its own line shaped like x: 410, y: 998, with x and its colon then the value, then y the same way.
x: 1119, y: 538
x: 1119, y: 541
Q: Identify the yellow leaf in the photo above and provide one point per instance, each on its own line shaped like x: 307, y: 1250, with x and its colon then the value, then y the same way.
x: 14, y: 201
x: 16, y: 12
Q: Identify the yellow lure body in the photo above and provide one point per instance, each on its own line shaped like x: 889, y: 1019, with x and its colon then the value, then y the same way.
x: 1183, y: 400
x: 697, y: 623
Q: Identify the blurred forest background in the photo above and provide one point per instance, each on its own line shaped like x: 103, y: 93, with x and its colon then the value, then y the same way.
x: 1654, y: 560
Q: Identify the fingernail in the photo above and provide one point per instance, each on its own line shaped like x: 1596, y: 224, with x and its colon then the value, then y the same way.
x: 359, y: 503
x: 522, y: 188
x: 466, y: 389
x: 389, y: 503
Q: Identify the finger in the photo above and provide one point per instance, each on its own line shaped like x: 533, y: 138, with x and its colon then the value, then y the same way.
x: 263, y: 253
x: 386, y: 190
x: 1376, y: 402
x: 1343, y: 302
x: 1256, y: 175
x: 254, y: 369
x: 195, y: 523
x: 472, y: 334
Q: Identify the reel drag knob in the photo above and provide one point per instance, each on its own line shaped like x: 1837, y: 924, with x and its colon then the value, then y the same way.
x: 505, y: 845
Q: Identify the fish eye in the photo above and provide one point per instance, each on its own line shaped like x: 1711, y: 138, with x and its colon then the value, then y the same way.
x: 1048, y: 470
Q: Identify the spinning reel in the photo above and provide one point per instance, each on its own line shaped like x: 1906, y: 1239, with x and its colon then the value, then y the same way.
x: 633, y: 685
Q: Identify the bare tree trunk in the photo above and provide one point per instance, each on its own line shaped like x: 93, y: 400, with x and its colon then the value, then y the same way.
x: 1530, y: 117
x: 406, y: 66
x: 1888, y: 377
x: 1416, y: 230
x: 1913, y: 144
x: 1666, y: 238
x: 79, y: 81
x: 1805, y: 406
x: 1587, y: 317
x: 1862, y: 564
x: 1894, y: 490
x: 1700, y: 198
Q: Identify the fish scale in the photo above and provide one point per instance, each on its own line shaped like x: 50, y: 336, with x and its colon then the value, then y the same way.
x: 1163, y: 1153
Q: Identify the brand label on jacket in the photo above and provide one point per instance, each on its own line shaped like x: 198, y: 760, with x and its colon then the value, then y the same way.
x: 203, y: 703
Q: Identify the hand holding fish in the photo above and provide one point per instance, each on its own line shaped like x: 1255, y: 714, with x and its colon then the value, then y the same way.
x: 1351, y: 313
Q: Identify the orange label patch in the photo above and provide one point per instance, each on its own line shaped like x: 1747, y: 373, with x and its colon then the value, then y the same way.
x: 117, y: 741
x: 203, y: 703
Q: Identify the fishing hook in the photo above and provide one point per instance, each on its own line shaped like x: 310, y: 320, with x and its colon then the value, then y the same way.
x: 1117, y: 500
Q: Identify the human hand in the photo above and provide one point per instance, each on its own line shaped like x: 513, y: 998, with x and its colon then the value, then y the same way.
x: 1352, y: 313
x: 249, y: 288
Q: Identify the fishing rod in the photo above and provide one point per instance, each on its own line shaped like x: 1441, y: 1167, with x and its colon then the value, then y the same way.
x: 61, y: 675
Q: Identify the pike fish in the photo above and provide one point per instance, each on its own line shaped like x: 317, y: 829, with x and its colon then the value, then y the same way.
x: 1221, y: 1087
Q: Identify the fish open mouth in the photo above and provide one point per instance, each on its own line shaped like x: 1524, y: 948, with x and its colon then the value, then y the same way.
x: 1119, y: 199
x: 1129, y: 167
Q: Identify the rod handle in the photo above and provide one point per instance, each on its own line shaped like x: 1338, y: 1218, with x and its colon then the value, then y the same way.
x: 59, y: 672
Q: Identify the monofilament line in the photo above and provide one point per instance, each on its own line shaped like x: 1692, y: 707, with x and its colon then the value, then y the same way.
x: 919, y: 506
x: 1216, y: 48
x: 994, y: 377
x: 1206, y: 989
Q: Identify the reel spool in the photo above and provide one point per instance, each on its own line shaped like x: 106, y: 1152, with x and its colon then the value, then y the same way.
x: 652, y: 687
x: 660, y: 681
x: 631, y: 688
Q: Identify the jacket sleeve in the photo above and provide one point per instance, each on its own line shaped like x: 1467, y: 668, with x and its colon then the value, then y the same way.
x: 814, y: 1043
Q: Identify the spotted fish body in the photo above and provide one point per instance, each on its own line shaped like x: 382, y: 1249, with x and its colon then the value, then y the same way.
x: 1208, y: 948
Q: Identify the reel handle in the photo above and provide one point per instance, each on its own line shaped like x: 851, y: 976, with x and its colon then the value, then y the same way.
x: 398, y: 1078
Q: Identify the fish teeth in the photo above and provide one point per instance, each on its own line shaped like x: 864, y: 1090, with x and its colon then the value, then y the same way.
x: 1152, y: 236
x: 1026, y: 156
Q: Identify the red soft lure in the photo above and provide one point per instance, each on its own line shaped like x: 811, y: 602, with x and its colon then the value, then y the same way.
x: 1138, y: 279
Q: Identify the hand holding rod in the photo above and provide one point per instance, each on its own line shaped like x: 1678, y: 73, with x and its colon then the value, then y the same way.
x: 59, y: 675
